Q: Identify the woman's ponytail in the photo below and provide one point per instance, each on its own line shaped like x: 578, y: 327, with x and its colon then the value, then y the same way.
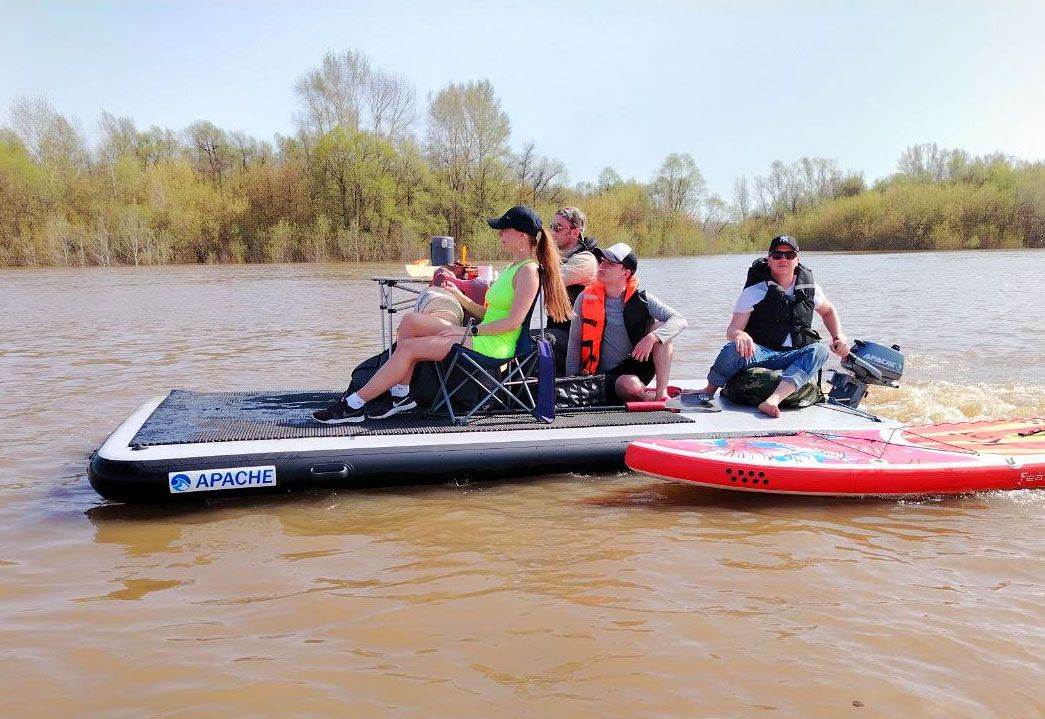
x: 556, y: 301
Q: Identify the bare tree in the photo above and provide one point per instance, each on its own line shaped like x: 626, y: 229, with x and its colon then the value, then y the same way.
x: 540, y: 177
x: 467, y: 145
x: 678, y: 186
x: 50, y: 139
x: 119, y: 137
x: 391, y: 103
x: 925, y: 162
x: 331, y: 94
x: 247, y: 150
x: 741, y: 198
x: 763, y: 197
x: 212, y: 153
x: 608, y: 179
x: 819, y: 176
x: 347, y: 91
x: 31, y: 118
x: 716, y: 215
x: 783, y: 188
x: 158, y: 144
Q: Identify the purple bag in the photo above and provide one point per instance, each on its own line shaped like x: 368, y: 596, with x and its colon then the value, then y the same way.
x: 545, y: 404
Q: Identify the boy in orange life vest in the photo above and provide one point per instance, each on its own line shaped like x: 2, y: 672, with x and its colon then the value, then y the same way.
x: 621, y: 331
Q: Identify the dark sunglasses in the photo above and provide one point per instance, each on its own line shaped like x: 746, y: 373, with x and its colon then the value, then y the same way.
x: 780, y: 254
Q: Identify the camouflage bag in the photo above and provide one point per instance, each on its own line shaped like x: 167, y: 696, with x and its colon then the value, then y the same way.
x: 751, y: 387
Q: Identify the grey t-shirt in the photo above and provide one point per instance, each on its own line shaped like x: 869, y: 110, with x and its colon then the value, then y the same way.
x: 616, y: 345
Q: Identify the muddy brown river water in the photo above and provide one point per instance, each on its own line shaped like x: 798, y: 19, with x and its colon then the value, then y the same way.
x: 573, y: 595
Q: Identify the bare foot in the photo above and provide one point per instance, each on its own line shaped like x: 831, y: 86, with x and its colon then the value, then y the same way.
x: 769, y: 408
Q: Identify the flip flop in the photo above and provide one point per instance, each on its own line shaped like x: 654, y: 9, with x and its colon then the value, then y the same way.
x: 690, y: 401
x: 673, y: 391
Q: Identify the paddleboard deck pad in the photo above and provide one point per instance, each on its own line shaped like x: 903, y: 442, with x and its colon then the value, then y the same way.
x: 205, y: 445
x: 926, y: 460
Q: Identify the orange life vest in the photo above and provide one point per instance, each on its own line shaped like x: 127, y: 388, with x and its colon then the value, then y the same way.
x: 593, y: 321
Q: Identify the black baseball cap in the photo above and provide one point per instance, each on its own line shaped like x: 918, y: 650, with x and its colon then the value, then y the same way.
x: 521, y: 218
x: 619, y: 254
x: 784, y: 240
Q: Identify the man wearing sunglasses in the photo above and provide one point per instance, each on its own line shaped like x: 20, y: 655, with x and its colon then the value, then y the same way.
x: 772, y: 325
x: 622, y: 332
x: 578, y: 270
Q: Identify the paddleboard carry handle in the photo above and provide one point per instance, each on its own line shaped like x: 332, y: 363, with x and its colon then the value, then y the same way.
x: 329, y: 471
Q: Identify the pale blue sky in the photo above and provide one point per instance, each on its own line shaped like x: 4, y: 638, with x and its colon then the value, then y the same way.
x: 735, y: 84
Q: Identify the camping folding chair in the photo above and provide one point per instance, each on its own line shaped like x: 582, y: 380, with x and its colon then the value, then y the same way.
x: 477, y: 383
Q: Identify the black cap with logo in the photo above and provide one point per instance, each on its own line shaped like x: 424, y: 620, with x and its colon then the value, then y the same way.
x: 521, y: 218
x: 784, y: 240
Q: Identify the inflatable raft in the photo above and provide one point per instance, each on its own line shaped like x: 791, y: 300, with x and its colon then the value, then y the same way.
x: 193, y: 445
x: 926, y: 460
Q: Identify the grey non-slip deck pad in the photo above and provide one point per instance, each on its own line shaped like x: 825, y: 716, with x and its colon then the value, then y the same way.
x: 186, y: 417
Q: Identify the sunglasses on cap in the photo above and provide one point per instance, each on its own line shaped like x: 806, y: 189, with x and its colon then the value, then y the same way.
x: 781, y: 254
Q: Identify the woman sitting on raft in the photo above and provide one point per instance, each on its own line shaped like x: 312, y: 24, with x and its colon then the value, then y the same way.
x: 424, y: 337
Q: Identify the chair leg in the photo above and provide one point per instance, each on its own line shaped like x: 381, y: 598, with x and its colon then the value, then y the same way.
x: 509, y: 389
x: 445, y: 397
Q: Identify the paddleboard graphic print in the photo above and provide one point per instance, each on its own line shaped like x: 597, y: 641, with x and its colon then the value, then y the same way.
x: 933, y: 459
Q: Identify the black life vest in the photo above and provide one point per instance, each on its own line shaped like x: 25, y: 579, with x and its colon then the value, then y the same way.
x: 637, y: 321
x: 778, y: 316
x: 584, y: 244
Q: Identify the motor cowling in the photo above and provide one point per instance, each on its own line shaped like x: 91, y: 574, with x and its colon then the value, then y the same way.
x: 873, y: 363
x: 868, y: 363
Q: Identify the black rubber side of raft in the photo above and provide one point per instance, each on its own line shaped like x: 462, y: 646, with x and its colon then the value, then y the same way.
x: 186, y: 417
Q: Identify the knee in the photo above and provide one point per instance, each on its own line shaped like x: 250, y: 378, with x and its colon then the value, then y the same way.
x: 408, y: 325
x: 728, y: 353
x: 629, y: 386
x: 820, y: 353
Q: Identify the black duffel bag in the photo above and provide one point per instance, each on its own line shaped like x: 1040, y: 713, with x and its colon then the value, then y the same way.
x: 580, y: 391
x: 424, y: 384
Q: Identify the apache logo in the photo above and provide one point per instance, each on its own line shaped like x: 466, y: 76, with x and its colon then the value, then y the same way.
x: 180, y: 482
x: 895, y: 366
x: 208, y: 480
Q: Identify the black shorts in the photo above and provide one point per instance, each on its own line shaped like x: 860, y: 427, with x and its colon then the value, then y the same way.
x: 645, y: 371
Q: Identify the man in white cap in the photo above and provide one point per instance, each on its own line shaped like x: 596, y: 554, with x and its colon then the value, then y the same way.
x: 621, y: 331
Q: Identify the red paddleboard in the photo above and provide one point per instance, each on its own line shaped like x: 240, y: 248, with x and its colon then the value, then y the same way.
x: 933, y: 459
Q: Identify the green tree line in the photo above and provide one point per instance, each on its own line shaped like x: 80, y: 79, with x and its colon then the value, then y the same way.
x: 938, y: 199
x: 371, y: 172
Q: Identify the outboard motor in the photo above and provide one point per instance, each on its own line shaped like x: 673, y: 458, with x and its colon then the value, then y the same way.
x: 867, y: 363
